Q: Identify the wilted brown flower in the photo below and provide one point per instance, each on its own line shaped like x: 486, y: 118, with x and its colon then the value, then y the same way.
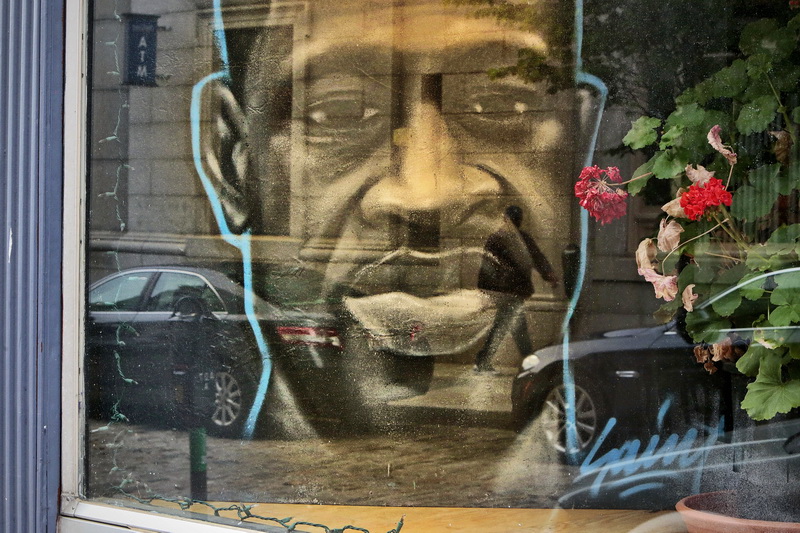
x: 698, y: 176
x: 783, y: 146
x: 673, y: 207
x: 701, y: 353
x: 688, y: 297
x: 723, y: 351
x: 665, y: 286
x: 716, y: 143
x: 646, y: 255
x: 669, y: 235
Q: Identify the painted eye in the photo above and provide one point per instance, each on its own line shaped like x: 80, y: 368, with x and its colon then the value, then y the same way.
x: 341, y: 114
x: 499, y: 104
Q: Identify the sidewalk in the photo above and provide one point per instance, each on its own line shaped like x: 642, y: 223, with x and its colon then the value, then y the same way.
x: 458, y: 392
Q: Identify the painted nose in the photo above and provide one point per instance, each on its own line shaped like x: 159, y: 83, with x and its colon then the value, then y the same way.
x: 428, y: 183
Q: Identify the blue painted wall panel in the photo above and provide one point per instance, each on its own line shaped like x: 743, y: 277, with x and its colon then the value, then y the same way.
x: 31, y: 82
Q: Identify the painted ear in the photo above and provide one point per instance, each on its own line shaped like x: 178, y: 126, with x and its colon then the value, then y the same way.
x: 224, y: 156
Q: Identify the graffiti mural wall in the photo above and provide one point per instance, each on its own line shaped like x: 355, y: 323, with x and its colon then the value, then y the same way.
x: 335, y: 256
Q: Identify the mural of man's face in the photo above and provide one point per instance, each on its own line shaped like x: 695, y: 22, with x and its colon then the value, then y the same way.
x: 403, y: 154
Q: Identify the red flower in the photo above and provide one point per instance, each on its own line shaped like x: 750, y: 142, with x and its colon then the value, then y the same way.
x: 698, y: 198
x: 598, y: 197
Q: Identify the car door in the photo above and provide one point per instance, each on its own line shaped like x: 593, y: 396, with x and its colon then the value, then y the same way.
x: 639, y: 374
x: 683, y: 394
x: 111, y: 335
x: 179, y: 327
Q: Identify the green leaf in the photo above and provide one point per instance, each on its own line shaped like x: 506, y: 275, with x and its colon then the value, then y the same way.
x: 667, y: 310
x: 748, y: 364
x: 728, y: 82
x: 700, y: 276
x: 785, y: 76
x: 688, y: 275
x: 635, y: 186
x: 788, y: 288
x: 756, y: 88
x: 796, y: 115
x: 642, y: 133
x: 792, y: 177
x: 770, y: 180
x: 754, y: 290
x: 785, y: 183
x: 784, y: 239
x: 764, y: 176
x: 750, y: 203
x: 726, y: 305
x: 769, y: 395
x: 758, y: 258
x: 755, y: 116
x: 787, y: 297
x: 784, y: 315
x: 669, y: 164
x: 704, y: 325
x: 778, y: 256
x: 765, y: 37
x: 771, y: 336
x: 758, y: 65
x: 794, y: 24
x: 671, y: 137
x: 699, y: 94
x: 686, y: 116
x: 728, y: 277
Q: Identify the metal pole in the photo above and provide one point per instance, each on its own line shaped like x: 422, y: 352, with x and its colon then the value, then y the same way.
x: 197, y: 464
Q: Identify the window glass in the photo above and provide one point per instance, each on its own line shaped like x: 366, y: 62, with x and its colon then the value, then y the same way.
x: 172, y: 286
x: 123, y: 293
x: 443, y: 253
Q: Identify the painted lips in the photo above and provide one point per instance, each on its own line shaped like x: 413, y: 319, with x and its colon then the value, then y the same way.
x: 438, y: 319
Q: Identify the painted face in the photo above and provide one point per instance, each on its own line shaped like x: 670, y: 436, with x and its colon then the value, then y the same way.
x: 402, y: 153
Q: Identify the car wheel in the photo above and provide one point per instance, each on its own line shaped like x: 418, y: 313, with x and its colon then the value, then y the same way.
x: 234, y: 390
x: 589, y: 419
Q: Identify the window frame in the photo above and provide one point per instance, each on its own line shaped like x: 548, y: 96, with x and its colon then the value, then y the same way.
x: 77, y: 514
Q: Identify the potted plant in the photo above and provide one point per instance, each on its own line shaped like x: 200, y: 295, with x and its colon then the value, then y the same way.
x: 730, y: 151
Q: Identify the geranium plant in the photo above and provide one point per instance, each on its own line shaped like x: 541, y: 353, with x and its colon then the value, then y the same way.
x: 729, y: 149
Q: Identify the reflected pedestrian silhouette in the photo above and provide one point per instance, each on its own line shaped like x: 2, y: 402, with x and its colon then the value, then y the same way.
x: 511, y: 254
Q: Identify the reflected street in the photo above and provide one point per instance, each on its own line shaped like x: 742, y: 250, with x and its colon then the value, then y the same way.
x: 452, y: 447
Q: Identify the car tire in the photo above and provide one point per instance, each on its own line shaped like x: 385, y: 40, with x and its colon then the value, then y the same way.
x: 591, y: 417
x: 234, y: 392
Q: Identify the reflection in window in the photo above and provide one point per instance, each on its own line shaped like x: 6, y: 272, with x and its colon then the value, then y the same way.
x: 119, y: 294
x: 171, y: 287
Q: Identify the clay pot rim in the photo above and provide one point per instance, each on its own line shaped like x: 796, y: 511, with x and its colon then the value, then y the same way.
x: 684, y: 508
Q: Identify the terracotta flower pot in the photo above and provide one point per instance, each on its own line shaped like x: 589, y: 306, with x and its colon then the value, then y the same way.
x: 715, y: 512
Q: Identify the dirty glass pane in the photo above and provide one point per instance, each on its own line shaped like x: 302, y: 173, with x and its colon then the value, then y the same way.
x: 357, y: 252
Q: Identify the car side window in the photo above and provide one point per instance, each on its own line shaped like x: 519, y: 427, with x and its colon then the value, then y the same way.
x: 172, y: 286
x: 119, y: 294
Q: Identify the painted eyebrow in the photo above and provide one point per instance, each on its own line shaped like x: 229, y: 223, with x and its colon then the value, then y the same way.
x: 371, y: 59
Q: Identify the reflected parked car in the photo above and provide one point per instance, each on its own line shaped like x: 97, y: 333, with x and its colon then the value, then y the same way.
x: 176, y: 342
x: 646, y: 380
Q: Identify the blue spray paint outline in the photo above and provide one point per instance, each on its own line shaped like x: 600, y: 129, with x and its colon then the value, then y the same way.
x: 593, y: 81
x: 242, y: 241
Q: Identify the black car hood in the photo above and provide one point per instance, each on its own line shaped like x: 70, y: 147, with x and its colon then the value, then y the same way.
x: 623, y: 339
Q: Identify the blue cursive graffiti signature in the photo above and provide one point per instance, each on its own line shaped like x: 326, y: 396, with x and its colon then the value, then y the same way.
x: 646, y: 469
